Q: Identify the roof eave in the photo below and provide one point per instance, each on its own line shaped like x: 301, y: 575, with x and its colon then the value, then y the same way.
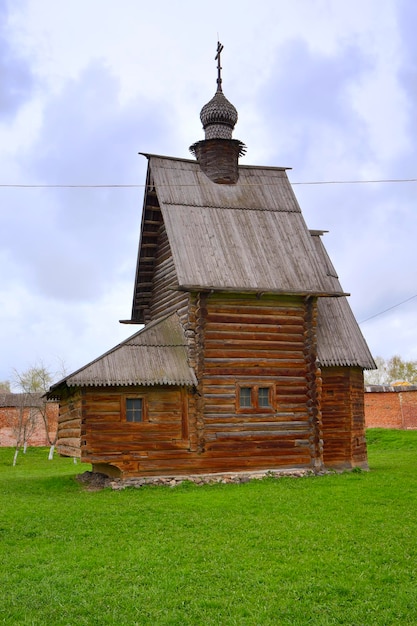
x: 149, y: 156
x: 136, y: 383
x: 261, y: 291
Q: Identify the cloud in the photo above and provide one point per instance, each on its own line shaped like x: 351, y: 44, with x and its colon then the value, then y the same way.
x: 327, y: 90
x: 70, y: 243
x: 16, y: 79
x: 407, y: 18
x: 316, y: 124
x: 308, y: 105
x: 39, y: 329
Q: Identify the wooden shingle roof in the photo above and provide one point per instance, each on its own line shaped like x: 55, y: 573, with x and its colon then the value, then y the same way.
x: 339, y: 339
x: 156, y: 355
x: 250, y: 236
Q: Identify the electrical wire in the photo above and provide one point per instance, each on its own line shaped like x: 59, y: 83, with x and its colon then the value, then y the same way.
x: 122, y: 186
x: 394, y: 306
x: 321, y: 182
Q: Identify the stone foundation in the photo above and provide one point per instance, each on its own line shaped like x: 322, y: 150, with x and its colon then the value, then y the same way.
x: 95, y: 480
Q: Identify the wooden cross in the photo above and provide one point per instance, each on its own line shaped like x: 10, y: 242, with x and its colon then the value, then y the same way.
x: 219, y: 67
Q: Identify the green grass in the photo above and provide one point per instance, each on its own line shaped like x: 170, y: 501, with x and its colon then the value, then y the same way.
x: 336, y: 549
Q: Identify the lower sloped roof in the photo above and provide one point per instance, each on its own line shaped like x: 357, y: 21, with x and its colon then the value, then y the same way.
x: 339, y: 339
x: 156, y: 355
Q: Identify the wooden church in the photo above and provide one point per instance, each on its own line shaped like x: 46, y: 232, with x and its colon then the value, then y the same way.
x: 250, y: 357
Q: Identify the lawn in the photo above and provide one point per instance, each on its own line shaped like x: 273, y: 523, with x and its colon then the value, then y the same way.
x: 335, y: 549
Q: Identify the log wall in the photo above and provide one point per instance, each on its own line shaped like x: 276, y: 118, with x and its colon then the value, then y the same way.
x: 69, y: 425
x: 343, y: 418
x: 235, y: 341
x: 146, y: 447
x: 248, y: 340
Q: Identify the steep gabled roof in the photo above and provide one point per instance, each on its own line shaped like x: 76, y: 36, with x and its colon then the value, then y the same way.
x: 250, y: 236
x: 156, y: 355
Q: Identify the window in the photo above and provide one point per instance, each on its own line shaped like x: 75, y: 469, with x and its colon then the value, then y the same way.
x: 245, y: 397
x: 255, y: 398
x: 134, y: 409
x: 263, y: 397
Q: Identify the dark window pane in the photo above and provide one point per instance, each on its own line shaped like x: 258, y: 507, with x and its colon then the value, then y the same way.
x: 245, y: 397
x: 263, y: 396
x: 133, y: 409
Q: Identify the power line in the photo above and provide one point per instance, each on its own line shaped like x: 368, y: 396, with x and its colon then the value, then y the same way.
x: 123, y: 186
x: 68, y: 186
x: 358, y: 182
x: 389, y: 309
x: 319, y: 182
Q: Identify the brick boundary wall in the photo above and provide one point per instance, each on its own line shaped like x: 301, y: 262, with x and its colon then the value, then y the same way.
x: 390, y: 406
x: 38, y: 437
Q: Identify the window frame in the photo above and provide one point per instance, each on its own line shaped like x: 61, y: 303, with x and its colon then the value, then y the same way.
x: 255, y: 406
x: 123, y: 407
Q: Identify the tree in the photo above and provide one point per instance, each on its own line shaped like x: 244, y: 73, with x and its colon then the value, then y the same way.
x: 22, y: 418
x: 392, y: 370
x: 32, y: 383
x: 399, y: 370
x: 36, y: 379
x: 4, y: 386
x: 378, y: 376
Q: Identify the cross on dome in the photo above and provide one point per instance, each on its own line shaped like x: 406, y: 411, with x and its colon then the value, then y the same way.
x: 218, y: 116
x: 218, y: 153
x: 219, y: 67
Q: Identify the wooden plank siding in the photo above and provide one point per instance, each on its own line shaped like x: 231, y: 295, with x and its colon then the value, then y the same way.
x: 156, y: 287
x: 343, y: 418
x: 165, y: 297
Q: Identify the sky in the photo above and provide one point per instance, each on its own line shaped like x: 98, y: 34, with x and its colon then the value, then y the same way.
x: 325, y: 87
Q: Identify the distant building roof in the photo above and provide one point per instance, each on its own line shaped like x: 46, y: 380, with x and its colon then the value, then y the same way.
x: 390, y: 388
x: 12, y: 400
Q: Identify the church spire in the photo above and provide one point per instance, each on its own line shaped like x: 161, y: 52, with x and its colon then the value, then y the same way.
x: 218, y: 153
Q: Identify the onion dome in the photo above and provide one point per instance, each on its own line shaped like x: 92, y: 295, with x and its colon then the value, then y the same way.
x: 218, y: 117
x: 218, y: 154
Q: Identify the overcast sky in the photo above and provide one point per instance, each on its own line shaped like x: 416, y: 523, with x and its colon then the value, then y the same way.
x: 326, y: 87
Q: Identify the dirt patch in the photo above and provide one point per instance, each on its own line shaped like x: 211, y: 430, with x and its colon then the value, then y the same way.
x: 94, y: 481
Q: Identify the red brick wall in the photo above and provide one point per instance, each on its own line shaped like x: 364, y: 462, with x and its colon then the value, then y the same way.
x: 38, y: 438
x: 391, y: 407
